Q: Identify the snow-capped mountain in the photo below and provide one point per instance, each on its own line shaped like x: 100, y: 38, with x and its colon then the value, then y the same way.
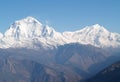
x: 1, y: 35
x: 71, y: 61
x: 29, y: 31
x: 28, y: 28
x: 95, y: 35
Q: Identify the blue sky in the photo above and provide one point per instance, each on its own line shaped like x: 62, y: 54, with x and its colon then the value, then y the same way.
x: 62, y: 15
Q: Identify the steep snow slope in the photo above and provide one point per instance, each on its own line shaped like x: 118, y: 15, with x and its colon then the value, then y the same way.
x: 95, y: 35
x: 27, y: 28
x: 1, y: 35
x: 29, y: 32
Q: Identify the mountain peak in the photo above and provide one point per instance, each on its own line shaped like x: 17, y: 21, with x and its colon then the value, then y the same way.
x: 31, y: 19
x: 98, y: 27
x: 95, y: 29
x: 95, y: 35
x: 1, y: 35
x: 27, y: 27
x: 26, y: 21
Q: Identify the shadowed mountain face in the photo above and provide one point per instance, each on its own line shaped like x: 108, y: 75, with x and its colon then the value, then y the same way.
x: 80, y: 56
x: 67, y: 63
x: 17, y: 70
x: 109, y: 74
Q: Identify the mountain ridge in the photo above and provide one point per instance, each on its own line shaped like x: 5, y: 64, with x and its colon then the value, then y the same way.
x: 108, y: 74
x: 64, y: 57
x: 29, y: 28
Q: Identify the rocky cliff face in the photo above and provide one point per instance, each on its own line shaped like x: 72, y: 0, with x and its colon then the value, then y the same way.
x: 15, y: 70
